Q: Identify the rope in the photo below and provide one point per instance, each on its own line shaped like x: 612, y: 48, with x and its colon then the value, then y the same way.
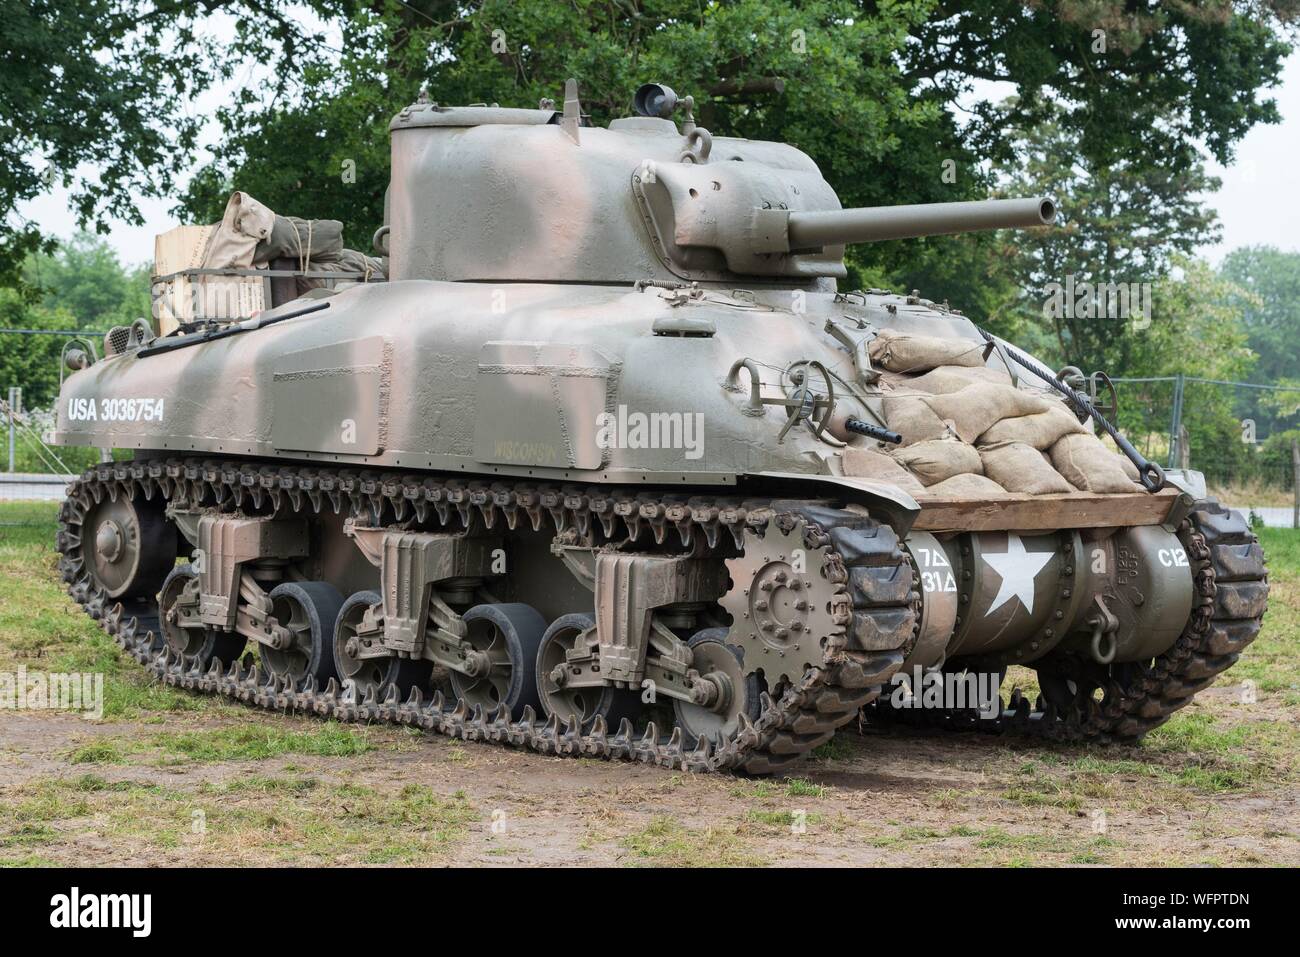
x: 1152, y: 475
x: 304, y: 256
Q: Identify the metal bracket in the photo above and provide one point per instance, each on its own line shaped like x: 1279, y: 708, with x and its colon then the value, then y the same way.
x: 409, y: 563
x: 868, y: 374
x: 225, y: 543
x: 629, y: 588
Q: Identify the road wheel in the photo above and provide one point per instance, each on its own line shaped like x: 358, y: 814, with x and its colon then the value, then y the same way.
x: 309, y: 611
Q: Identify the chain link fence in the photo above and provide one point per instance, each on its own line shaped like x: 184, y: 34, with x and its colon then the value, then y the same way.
x: 1241, y: 435
x: 36, y: 476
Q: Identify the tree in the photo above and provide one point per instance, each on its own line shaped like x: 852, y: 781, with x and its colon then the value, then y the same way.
x: 1272, y: 309
x: 30, y: 362
x: 1140, y: 81
x: 1094, y: 278
x: 94, y: 96
x: 1196, y: 329
x: 873, y: 91
x: 86, y: 282
x: 84, y: 286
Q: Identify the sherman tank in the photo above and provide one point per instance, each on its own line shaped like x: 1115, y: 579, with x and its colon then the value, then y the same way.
x: 605, y: 464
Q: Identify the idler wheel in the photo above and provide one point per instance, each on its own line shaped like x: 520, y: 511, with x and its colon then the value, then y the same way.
x: 192, y: 641
x: 371, y: 674
x: 583, y: 703
x: 308, y: 611
x: 505, y: 639
x: 129, y: 547
x: 734, y: 692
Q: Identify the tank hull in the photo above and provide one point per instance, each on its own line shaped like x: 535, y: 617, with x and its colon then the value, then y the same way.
x: 494, y: 379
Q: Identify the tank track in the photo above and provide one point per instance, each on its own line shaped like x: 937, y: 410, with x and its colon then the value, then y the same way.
x: 1231, y: 593
x: 876, y: 621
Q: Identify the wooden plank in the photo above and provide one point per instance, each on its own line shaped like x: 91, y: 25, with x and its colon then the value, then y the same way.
x: 1018, y: 512
x: 175, y: 250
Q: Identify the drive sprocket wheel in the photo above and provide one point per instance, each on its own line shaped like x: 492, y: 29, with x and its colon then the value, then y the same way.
x: 782, y: 605
x: 130, y: 547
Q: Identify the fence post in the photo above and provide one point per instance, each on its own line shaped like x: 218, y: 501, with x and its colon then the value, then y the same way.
x: 1295, y: 482
x: 1184, y: 447
x: 15, y: 406
x: 1176, y: 424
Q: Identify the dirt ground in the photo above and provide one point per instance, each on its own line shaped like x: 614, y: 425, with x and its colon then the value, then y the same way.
x: 116, y: 793
x: 168, y: 778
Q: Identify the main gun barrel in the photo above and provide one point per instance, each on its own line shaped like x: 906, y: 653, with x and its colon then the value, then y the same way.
x: 871, y: 224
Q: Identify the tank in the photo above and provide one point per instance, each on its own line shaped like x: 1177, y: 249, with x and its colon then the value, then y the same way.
x: 608, y: 466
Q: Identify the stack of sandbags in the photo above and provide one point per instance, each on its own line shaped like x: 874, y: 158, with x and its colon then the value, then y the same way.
x: 1019, y: 467
x: 1013, y: 449
x: 937, y: 460
x: 878, y: 467
x: 969, y: 433
x: 966, y: 486
x: 1040, y: 430
x: 965, y: 413
x: 944, y: 379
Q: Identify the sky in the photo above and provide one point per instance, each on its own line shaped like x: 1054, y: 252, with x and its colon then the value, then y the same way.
x: 1258, y: 203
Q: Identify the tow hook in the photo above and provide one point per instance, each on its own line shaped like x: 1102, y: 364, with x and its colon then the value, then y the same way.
x: 1104, y: 625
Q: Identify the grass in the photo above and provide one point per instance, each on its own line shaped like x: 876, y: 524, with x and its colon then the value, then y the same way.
x: 245, y: 741
x: 43, y: 630
x: 1256, y: 492
x: 297, y: 823
x: 666, y: 842
x: 170, y: 777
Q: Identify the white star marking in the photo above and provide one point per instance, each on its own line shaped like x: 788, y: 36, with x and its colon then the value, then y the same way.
x: 1017, y: 568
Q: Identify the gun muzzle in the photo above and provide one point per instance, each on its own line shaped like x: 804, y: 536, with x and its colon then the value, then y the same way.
x: 873, y: 431
x: 801, y: 231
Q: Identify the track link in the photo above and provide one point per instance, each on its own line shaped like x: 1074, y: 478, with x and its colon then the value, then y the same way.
x: 875, y: 626
x: 1231, y: 593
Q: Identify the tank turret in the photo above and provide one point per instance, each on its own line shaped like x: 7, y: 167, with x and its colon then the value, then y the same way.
x: 536, y: 196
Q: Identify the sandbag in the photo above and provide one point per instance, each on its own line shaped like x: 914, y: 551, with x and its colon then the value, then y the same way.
x: 245, y: 223
x: 904, y: 352
x: 1086, y: 464
x: 366, y: 269
x: 938, y: 459
x: 1127, y: 465
x: 973, y: 410
x: 969, y: 485
x: 1039, y: 429
x: 1019, y: 467
x: 912, y: 418
x: 304, y: 240
x: 945, y: 379
x: 1129, y: 468
x: 879, y: 467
